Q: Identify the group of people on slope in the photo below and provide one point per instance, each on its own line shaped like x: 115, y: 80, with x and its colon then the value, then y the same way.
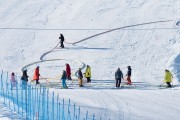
x: 24, y: 78
x: 67, y: 75
x: 119, y: 76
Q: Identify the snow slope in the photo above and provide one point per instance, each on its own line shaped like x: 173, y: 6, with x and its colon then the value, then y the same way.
x: 6, y: 114
x: 31, y: 28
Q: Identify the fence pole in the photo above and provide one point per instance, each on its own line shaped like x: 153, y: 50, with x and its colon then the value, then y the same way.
x: 69, y: 115
x: 37, y: 103
x: 93, y: 116
x: 53, y: 106
x: 87, y: 115
x: 17, y: 98
x: 79, y: 114
x: 43, y: 103
x: 57, y: 106
x: 8, y: 97
x: 13, y: 100
x: 2, y: 85
x: 22, y: 101
x: 59, y: 110
x: 74, y: 113
x: 6, y: 90
x: 39, y: 96
x: 30, y: 100
x: 63, y: 110
x: 26, y: 101
x: 1, y: 80
x: 32, y: 103
x: 47, y: 104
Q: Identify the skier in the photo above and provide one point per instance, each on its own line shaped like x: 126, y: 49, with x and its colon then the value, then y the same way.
x: 13, y: 80
x: 68, y: 71
x: 61, y: 40
x: 80, y: 76
x: 63, y: 78
x: 118, y: 77
x: 168, y: 78
x: 87, y: 73
x: 36, y: 75
x: 24, y: 79
x: 129, y: 75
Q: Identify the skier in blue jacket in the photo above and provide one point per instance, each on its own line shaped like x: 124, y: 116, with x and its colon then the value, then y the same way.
x: 63, y: 78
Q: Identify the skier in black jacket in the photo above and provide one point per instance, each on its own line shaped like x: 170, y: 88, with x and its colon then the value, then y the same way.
x: 61, y: 40
x: 24, y: 79
x: 118, y: 77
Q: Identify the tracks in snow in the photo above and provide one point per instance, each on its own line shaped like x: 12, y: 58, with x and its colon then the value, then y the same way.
x: 105, y: 32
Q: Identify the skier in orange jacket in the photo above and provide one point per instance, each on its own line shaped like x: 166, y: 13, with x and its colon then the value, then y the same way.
x: 36, y: 75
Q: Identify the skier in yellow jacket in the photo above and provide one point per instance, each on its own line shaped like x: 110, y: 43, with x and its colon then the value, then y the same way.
x: 87, y: 73
x: 168, y: 78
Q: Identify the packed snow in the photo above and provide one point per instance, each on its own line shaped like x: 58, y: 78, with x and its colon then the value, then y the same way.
x: 143, y: 34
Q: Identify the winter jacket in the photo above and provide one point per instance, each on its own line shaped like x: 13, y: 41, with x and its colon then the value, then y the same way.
x: 80, y: 75
x: 63, y: 75
x: 129, y: 71
x: 168, y: 77
x: 62, y: 38
x: 68, y: 70
x: 24, y: 76
x: 88, y: 72
x: 36, y: 74
x: 118, y: 74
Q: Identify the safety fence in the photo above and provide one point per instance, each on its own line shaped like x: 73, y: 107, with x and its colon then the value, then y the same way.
x: 33, y: 102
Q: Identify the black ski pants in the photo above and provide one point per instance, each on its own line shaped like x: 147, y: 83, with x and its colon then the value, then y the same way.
x: 169, y: 84
x: 62, y: 45
x: 88, y: 79
x: 118, y: 82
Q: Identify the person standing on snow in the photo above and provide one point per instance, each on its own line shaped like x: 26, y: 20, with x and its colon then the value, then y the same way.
x: 118, y: 77
x: 129, y: 75
x: 36, y: 75
x: 168, y: 78
x: 13, y: 80
x: 68, y: 71
x: 24, y: 79
x: 63, y: 79
x: 87, y: 73
x: 61, y: 40
x: 80, y: 76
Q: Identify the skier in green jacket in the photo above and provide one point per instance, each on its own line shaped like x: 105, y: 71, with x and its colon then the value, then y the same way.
x: 168, y: 78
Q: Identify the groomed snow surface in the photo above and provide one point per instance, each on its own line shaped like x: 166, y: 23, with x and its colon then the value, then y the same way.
x: 29, y: 29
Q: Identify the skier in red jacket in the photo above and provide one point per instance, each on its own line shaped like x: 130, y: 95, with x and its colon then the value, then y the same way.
x: 36, y: 75
x: 68, y: 71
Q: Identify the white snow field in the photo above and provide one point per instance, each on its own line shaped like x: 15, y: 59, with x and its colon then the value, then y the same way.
x: 148, y: 40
